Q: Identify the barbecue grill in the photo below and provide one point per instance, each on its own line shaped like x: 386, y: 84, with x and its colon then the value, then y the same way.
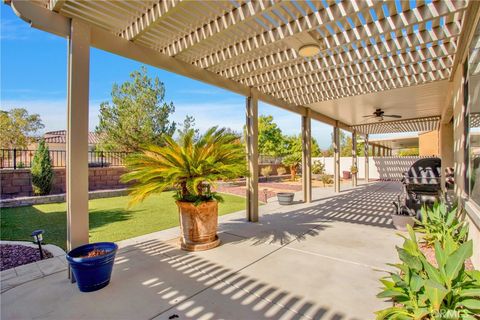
x: 421, y: 185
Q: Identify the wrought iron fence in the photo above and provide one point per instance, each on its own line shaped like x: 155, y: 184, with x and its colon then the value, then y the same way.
x: 19, y: 159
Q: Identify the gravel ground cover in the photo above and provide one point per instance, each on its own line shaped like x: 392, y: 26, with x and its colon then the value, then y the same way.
x: 14, y: 255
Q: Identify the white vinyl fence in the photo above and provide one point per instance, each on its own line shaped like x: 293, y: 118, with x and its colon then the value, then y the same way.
x: 383, y: 168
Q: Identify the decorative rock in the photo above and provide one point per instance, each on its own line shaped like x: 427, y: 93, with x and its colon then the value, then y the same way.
x: 17, y: 255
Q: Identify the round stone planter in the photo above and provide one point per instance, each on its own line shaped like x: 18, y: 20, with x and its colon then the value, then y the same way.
x: 285, y: 198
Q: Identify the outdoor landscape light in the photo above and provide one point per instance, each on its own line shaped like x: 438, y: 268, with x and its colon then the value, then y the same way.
x: 309, y: 50
x: 38, y: 238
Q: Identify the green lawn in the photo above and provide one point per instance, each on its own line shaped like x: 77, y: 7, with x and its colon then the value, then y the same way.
x: 109, y: 218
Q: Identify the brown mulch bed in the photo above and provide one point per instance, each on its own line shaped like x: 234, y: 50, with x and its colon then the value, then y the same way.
x: 429, y: 253
x: 14, y: 255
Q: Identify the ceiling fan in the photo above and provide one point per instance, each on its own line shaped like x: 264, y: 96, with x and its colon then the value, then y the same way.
x: 379, y: 114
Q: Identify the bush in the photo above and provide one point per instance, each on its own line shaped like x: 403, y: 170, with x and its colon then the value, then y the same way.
x: 421, y: 290
x: 266, y: 172
x: 281, y: 171
x: 437, y: 223
x: 41, y: 170
x: 411, y: 152
x: 318, y: 167
x: 326, y: 179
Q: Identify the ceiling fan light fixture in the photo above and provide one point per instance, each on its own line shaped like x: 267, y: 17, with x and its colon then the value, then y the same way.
x: 309, y: 50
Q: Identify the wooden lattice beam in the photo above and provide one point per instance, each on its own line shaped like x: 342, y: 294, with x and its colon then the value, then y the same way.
x: 143, y: 23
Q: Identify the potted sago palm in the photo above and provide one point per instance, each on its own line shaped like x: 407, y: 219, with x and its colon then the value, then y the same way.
x: 190, y: 166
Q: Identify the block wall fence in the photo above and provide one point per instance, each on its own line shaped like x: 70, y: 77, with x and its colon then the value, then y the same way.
x: 18, y: 183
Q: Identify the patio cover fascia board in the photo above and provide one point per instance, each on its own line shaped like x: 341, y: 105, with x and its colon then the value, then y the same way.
x: 52, y: 22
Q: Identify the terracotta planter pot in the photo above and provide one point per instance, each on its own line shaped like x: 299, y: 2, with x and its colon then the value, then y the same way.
x: 198, y: 225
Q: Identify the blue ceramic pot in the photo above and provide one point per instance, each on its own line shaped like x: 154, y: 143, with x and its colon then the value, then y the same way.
x: 92, y: 273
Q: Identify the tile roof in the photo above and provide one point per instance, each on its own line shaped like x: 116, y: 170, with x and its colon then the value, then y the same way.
x: 60, y: 136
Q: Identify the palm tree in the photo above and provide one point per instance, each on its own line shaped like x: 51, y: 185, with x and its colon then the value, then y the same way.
x: 191, y: 167
x: 293, y: 161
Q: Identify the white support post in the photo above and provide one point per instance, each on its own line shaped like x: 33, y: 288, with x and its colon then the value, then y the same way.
x: 307, y: 157
x: 336, y: 147
x: 252, y: 158
x: 77, y: 134
x: 354, y: 157
x: 366, y: 159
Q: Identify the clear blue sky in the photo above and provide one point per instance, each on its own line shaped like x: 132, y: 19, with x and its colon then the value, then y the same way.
x: 33, y: 76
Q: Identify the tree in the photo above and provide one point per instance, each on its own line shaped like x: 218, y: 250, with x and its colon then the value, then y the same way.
x: 294, y: 144
x: 270, y: 138
x: 41, y: 170
x: 346, y: 146
x: 18, y: 128
x: 137, y: 116
x: 293, y: 161
x: 346, y: 149
x: 188, y: 124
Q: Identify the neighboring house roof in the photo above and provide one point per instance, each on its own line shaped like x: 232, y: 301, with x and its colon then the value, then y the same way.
x: 60, y: 136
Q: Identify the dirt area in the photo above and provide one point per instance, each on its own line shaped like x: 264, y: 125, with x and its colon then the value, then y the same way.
x: 429, y: 253
x: 269, y: 189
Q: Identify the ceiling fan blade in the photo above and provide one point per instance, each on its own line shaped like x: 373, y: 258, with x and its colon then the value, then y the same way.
x: 370, y: 116
x: 392, y: 116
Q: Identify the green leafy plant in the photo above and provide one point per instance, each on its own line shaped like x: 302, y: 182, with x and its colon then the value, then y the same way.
x: 190, y: 166
x: 318, y: 167
x: 326, y: 179
x: 41, y: 170
x: 281, y: 171
x: 266, y: 172
x: 354, y: 169
x: 421, y: 290
x: 438, y: 222
x: 293, y: 161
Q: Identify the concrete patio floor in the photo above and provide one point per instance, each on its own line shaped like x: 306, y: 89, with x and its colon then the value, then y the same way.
x: 316, y: 261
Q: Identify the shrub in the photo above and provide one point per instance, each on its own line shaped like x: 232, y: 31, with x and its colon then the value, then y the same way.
x: 354, y: 169
x: 437, y: 223
x: 41, y: 170
x: 190, y: 166
x: 326, y: 179
x: 281, y: 171
x: 318, y: 167
x: 421, y: 290
x: 266, y: 172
